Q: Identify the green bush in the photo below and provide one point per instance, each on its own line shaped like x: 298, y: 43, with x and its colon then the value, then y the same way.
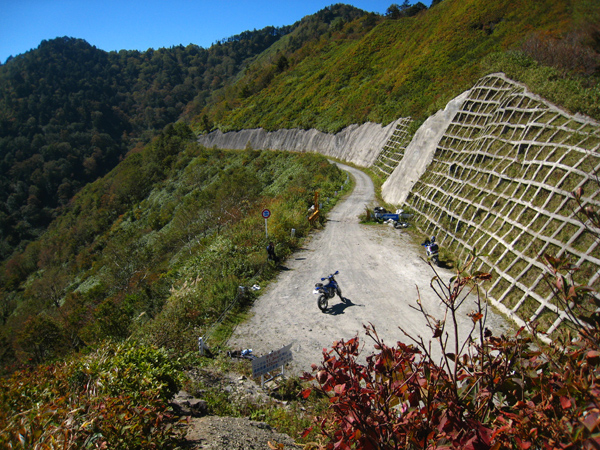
x: 115, y: 397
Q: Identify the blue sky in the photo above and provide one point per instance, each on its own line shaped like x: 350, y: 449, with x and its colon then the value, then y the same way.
x: 140, y: 25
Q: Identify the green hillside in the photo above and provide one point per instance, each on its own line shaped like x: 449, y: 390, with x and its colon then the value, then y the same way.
x: 407, y: 67
x: 171, y: 212
x: 70, y: 112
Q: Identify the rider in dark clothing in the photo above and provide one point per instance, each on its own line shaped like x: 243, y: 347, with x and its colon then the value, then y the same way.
x: 271, y: 252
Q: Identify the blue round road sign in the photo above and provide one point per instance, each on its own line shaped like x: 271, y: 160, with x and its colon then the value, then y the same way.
x: 266, y: 213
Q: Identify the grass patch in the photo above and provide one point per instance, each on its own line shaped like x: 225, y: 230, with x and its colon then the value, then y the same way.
x: 585, y: 272
x: 571, y: 181
x: 527, y: 308
x: 515, y: 212
x: 539, y: 222
x: 543, y: 288
x: 499, y: 290
x: 556, y: 177
x: 517, y: 268
x: 545, y: 319
x: 536, y: 248
x: 512, y: 298
x: 530, y: 276
x: 522, y: 242
x: 567, y: 232
x: 504, y: 262
x: 555, y: 202
x: 528, y: 215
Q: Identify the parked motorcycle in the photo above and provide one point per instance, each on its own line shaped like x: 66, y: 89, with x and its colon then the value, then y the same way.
x: 432, y: 250
x: 327, y: 291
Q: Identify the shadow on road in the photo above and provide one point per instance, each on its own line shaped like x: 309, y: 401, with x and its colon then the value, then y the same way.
x: 339, y: 308
x: 446, y: 265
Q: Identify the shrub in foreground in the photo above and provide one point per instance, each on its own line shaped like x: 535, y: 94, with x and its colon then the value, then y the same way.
x: 115, y: 397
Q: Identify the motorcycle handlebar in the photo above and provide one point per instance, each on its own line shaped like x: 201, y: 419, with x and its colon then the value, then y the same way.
x: 336, y: 272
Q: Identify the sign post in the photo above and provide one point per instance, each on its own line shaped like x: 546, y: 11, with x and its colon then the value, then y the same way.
x: 270, y: 362
x: 266, y: 214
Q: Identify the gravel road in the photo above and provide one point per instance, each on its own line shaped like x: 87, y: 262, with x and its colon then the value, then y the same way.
x: 380, y: 271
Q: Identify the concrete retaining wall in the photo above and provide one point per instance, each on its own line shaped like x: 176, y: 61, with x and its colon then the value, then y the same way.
x: 419, y: 153
x: 500, y: 183
x: 358, y: 144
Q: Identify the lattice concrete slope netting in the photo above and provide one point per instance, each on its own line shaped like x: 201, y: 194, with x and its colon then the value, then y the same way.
x: 501, y: 182
x: 393, y: 151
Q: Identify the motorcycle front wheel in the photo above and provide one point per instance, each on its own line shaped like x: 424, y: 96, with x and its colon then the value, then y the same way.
x: 322, y: 302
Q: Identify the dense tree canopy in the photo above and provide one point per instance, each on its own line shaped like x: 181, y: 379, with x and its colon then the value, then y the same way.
x: 69, y: 112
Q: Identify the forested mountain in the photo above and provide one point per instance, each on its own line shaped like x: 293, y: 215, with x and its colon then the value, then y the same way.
x: 69, y: 112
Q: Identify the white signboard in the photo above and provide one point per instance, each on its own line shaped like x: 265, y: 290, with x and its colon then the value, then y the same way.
x: 271, y: 361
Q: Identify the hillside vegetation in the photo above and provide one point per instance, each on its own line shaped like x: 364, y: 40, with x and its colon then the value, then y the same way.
x: 69, y: 112
x: 408, y: 67
x: 167, y: 216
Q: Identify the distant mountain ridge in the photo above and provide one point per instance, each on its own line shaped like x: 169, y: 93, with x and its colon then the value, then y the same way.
x: 70, y: 112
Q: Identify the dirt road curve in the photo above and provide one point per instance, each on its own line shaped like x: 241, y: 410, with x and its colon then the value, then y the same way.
x: 380, y: 269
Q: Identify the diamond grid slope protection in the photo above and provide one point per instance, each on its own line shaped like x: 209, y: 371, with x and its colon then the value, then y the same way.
x: 501, y: 182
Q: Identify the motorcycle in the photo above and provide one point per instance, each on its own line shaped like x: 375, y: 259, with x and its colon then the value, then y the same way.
x: 327, y: 291
x: 432, y: 250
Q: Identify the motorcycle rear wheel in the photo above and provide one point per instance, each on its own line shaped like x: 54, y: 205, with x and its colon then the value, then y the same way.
x: 322, y: 302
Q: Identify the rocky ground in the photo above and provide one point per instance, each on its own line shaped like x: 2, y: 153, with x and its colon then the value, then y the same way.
x: 231, y: 433
x: 219, y: 433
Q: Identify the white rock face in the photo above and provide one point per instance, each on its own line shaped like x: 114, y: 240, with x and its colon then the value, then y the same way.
x: 358, y: 144
x: 419, y: 153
